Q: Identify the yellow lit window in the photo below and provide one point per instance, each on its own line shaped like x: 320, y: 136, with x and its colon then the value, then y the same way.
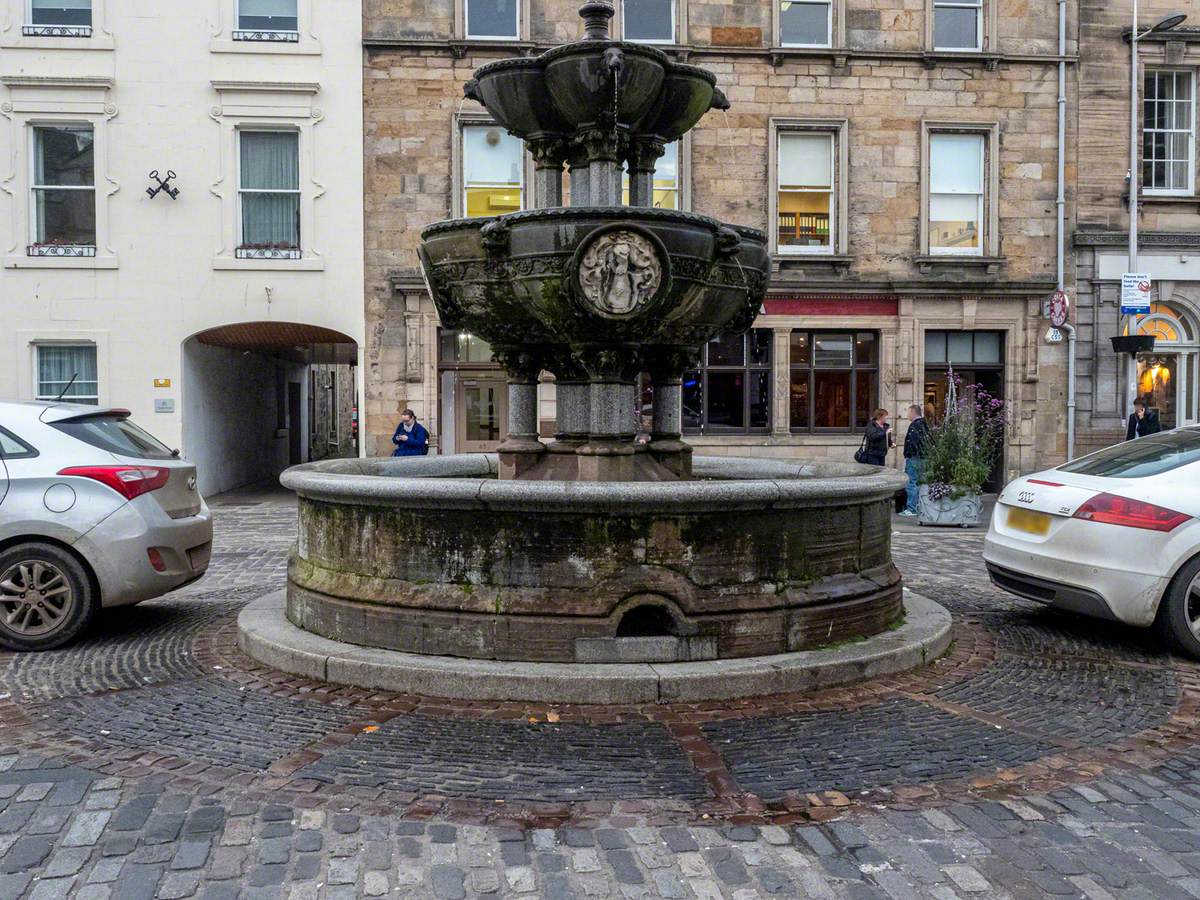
x: 805, y: 202
x: 492, y: 171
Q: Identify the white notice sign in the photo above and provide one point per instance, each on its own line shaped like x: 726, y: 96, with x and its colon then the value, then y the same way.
x: 1135, y: 294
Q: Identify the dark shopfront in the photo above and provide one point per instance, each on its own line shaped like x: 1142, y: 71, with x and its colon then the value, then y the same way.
x: 976, y: 360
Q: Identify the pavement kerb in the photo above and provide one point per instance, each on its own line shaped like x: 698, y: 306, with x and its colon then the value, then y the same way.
x: 265, y: 634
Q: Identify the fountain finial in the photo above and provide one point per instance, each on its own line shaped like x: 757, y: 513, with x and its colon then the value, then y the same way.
x: 595, y: 15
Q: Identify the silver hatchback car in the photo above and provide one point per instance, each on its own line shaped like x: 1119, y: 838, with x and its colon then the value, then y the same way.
x: 94, y: 512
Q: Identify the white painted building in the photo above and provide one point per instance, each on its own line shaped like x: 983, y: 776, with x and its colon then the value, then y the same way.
x: 228, y: 317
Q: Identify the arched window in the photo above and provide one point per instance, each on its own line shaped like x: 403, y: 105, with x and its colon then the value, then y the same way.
x: 1169, y: 324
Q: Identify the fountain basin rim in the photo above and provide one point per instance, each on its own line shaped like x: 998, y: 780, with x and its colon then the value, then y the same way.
x: 634, y: 215
x: 467, y: 481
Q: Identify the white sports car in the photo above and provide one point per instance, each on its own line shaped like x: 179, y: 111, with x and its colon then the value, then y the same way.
x: 1115, y: 534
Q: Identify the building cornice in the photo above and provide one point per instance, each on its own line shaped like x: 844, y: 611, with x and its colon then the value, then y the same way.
x: 838, y: 56
x: 274, y: 87
x: 1188, y: 239
x: 57, y: 81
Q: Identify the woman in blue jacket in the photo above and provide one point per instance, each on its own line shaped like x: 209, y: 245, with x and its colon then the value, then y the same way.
x: 411, y: 437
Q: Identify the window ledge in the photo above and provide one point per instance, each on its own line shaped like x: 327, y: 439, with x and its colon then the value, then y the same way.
x: 1166, y: 199
x: 306, y: 264
x: 460, y: 47
x: 838, y: 262
x: 952, y: 260
x: 304, y: 47
x: 990, y: 59
x: 96, y: 41
x: 60, y: 262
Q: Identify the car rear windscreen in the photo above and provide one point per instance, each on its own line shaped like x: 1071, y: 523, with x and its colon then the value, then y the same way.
x: 116, y: 434
x: 1143, y: 457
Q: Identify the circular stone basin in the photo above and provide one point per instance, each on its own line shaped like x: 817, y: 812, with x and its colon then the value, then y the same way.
x: 435, y: 556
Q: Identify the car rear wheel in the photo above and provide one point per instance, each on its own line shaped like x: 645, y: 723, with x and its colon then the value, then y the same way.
x: 46, y: 597
x: 1179, y: 617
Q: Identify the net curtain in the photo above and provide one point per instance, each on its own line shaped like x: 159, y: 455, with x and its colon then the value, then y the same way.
x: 270, y: 182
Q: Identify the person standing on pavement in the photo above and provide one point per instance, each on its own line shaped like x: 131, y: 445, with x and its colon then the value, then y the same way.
x: 914, y: 457
x: 878, y: 439
x: 1142, y: 421
x: 411, y: 437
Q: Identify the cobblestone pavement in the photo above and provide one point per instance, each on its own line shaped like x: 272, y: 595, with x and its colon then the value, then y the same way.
x: 1043, y: 756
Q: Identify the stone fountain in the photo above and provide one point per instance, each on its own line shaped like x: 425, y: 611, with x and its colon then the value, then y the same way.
x: 593, y: 567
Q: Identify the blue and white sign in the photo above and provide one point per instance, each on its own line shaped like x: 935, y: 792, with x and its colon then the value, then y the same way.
x: 1135, y: 294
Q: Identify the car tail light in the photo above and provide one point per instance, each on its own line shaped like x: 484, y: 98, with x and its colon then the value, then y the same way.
x: 128, y: 481
x: 156, y: 559
x: 1113, y: 510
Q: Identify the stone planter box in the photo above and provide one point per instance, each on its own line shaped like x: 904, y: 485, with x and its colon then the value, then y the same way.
x: 964, y: 511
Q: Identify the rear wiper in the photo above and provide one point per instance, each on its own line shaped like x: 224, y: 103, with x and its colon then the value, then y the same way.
x: 67, y: 388
x: 175, y: 453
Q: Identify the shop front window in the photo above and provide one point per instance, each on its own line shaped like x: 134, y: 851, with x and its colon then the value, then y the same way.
x: 731, y: 392
x: 834, y: 380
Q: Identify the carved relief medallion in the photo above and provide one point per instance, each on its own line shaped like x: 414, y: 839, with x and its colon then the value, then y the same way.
x: 619, y: 271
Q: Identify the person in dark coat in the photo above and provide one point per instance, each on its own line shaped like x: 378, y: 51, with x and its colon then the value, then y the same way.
x: 879, y: 438
x: 914, y: 457
x: 411, y: 437
x: 1142, y: 421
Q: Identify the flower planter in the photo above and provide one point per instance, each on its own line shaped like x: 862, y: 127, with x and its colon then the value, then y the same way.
x: 964, y: 511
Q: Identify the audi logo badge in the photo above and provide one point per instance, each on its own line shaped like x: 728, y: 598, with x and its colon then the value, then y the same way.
x: 1025, y: 497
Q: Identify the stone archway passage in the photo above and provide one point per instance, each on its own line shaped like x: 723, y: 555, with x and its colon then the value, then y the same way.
x: 261, y: 396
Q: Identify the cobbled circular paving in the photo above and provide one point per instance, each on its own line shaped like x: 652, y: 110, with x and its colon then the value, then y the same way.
x: 1023, y: 696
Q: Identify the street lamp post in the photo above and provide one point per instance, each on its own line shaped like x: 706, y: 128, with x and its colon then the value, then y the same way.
x: 1164, y: 24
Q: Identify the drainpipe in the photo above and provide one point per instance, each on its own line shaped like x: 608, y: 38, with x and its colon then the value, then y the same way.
x: 1061, y: 204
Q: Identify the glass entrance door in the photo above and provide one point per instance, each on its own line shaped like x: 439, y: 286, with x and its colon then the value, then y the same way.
x: 1159, y: 383
x: 482, y: 413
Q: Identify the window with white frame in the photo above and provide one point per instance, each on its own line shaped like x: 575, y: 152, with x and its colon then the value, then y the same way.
x: 493, y: 164
x: 59, y: 18
x: 492, y: 18
x: 805, y: 23
x: 648, y: 21
x: 69, y: 368
x: 267, y: 20
x: 958, y: 24
x: 956, y: 193
x: 63, y: 189
x: 269, y: 194
x: 806, y: 208
x: 666, y: 179
x: 1169, y: 133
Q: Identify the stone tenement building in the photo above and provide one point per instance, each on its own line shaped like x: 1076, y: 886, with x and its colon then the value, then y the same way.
x: 1169, y: 222
x: 901, y: 155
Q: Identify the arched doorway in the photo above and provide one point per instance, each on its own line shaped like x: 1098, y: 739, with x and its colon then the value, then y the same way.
x: 261, y: 396
x: 1169, y: 377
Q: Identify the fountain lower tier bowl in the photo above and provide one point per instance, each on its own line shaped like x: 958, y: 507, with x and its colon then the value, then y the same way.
x: 434, y: 556
x: 606, y: 275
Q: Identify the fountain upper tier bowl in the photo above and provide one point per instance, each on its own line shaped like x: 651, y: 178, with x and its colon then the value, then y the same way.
x: 580, y: 275
x: 631, y: 87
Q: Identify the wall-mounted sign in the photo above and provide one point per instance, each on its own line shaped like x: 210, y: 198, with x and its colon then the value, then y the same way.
x: 1054, y: 336
x: 1058, y: 309
x: 164, y: 406
x: 162, y: 382
x: 1135, y: 294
